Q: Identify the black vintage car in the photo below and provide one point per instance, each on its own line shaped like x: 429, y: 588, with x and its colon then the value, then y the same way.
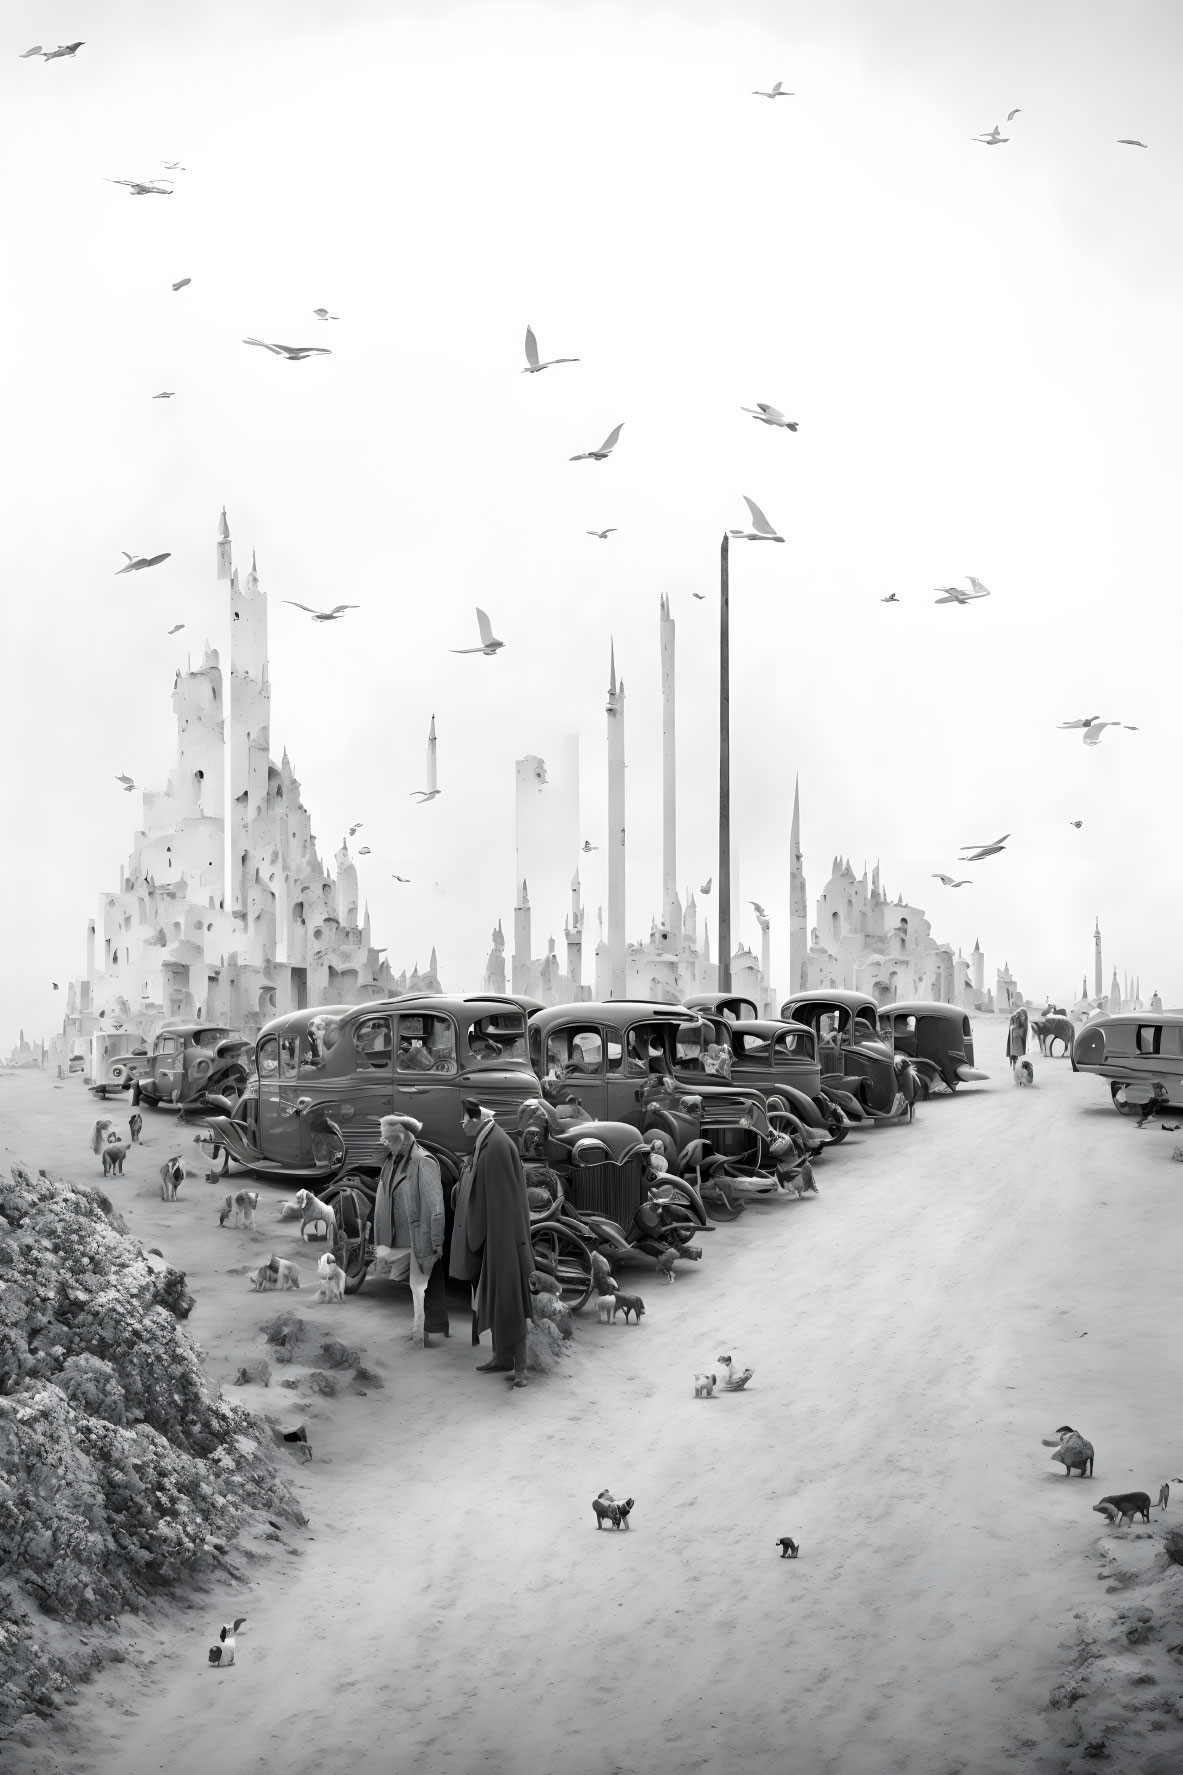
x: 936, y: 1038
x: 194, y: 1066
x: 855, y: 1054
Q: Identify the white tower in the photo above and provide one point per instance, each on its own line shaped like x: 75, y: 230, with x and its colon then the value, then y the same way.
x: 617, y: 987
x: 573, y: 932
x: 798, y: 906
x: 671, y: 911
x: 432, y: 761
x: 979, y: 967
x: 250, y: 715
x: 522, y: 942
x: 1098, y: 976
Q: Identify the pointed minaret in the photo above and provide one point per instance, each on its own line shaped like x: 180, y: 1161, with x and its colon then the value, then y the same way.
x: 979, y: 967
x: 522, y: 942
x: 250, y: 722
x: 573, y: 932
x: 617, y: 978
x: 798, y: 907
x: 1098, y: 976
x: 432, y: 762
x: 669, y: 811
x: 224, y: 560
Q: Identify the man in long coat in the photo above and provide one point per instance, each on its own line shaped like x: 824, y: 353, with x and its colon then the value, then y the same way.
x: 493, y: 1229
x: 409, y: 1224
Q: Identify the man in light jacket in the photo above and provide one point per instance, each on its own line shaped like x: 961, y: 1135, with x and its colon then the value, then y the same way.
x: 408, y: 1216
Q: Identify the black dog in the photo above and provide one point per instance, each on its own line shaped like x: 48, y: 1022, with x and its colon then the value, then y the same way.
x: 1123, y: 1506
x: 135, y: 1122
x: 616, y: 1514
x: 788, y: 1547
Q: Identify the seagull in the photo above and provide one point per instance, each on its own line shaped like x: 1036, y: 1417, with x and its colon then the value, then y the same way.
x: 323, y: 314
x: 1129, y: 142
x: 954, y: 594
x: 989, y: 845
x: 135, y: 562
x: 143, y: 187
x: 699, y: 595
x: 36, y: 50
x: 770, y: 415
x: 426, y: 794
x: 293, y: 353
x: 1086, y: 722
x: 1011, y: 115
x: 364, y: 851
x: 603, y: 534
x: 949, y: 882
x: 891, y: 598
x: 356, y: 827
x: 1092, y: 733
x: 763, y: 532
x: 172, y: 166
x: 993, y: 139
x: 759, y: 910
x: 489, y: 642
x: 333, y: 615
x: 987, y: 850
x: 55, y: 985
x: 705, y: 887
x: 405, y: 878
x: 589, y: 846
x: 1077, y: 823
x: 604, y: 450
x: 127, y: 783
x: 532, y: 363
x: 176, y: 629
x: 778, y: 92
x: 180, y: 285
x: 166, y: 394
x: 51, y: 55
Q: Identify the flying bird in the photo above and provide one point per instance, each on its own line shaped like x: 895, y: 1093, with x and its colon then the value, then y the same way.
x: 166, y: 394
x: 426, y: 794
x: 364, y: 851
x: 763, y: 531
x: 891, y: 598
x: 705, y: 886
x: 949, y: 882
x: 1086, y: 722
x: 51, y: 55
x: 489, y: 642
x: 778, y: 92
x: 1077, y: 823
x: 770, y: 415
x: 604, y: 450
x: 333, y: 615
x: 1094, y: 730
x: 323, y: 314
x: 172, y: 166
x: 603, y: 534
x: 954, y: 594
x: 993, y: 139
x: 1011, y: 115
x: 759, y: 910
x: 699, y: 595
x: 36, y: 50
x: 181, y: 282
x: 532, y: 363
x: 356, y: 827
x: 403, y: 878
x: 589, y: 846
x: 176, y: 629
x: 128, y: 785
x: 293, y: 353
x: 987, y: 846
x: 55, y: 985
x: 136, y: 562
x: 144, y: 187
x: 1129, y: 142
x: 986, y: 850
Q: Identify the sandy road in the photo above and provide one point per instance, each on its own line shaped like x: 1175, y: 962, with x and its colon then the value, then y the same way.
x: 914, y: 1332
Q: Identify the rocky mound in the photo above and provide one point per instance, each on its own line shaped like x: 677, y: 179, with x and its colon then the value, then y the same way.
x: 118, y: 1463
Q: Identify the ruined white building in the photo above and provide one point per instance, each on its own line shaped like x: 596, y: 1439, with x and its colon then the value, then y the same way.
x: 225, y: 911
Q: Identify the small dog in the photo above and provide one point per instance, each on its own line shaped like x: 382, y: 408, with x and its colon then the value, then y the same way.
x: 665, y: 1263
x: 603, y: 1280
x: 222, y: 1655
x: 98, y: 1134
x: 616, y: 1514
x: 734, y: 1381
x: 172, y: 1176
x: 313, y: 1213
x: 135, y: 1123
x: 114, y: 1153
x: 788, y: 1547
x: 704, y: 1385
x: 277, y: 1272
x: 606, y: 1308
x: 242, y: 1206
x: 1024, y: 1073
x: 332, y: 1279
x: 626, y: 1304
x: 1123, y: 1506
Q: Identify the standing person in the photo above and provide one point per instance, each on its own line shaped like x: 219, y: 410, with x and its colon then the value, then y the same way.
x: 409, y: 1222
x: 493, y: 1229
x: 1016, y: 1036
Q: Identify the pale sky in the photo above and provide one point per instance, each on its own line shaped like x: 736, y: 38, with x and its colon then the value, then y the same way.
x: 981, y: 346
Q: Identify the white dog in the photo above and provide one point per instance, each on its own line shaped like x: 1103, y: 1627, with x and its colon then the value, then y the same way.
x: 606, y: 1308
x: 332, y: 1279
x: 704, y: 1385
x: 279, y: 1273
x: 313, y: 1212
x: 1024, y: 1073
x: 172, y: 1176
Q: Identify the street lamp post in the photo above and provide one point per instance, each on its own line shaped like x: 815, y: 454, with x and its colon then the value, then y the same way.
x: 724, y: 766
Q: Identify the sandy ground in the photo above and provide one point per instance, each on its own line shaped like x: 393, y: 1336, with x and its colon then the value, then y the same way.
x: 914, y: 1332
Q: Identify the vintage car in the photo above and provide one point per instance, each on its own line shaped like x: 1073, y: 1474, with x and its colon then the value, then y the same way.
x: 1140, y: 1053
x: 192, y: 1065
x: 768, y: 1055
x: 854, y: 1054
x: 117, y: 1057
x: 936, y: 1038
x: 734, y: 1007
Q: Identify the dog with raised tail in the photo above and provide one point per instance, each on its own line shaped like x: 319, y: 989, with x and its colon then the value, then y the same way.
x: 222, y: 1655
x: 616, y: 1514
x: 704, y: 1385
x: 331, y: 1285
x: 172, y: 1176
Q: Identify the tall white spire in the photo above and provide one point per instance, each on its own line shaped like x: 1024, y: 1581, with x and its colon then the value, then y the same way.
x: 616, y: 834
x: 798, y: 904
x: 669, y: 810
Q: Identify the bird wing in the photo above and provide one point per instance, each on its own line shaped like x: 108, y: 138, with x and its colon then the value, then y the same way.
x: 155, y: 560
x: 36, y: 50
x: 1130, y: 142
x: 277, y: 349
x: 610, y: 441
x: 123, y: 779
x: 1011, y: 115
x: 769, y: 412
x: 485, y: 626
x: 758, y: 518
x: 338, y: 608
x: 531, y: 348
x: 1092, y: 733
x: 466, y: 650
x: 947, y: 879
x: 303, y: 350
x: 966, y: 883
x: 980, y: 590
x: 706, y: 885
x: 297, y: 606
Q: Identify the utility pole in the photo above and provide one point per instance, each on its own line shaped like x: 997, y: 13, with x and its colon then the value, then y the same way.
x: 724, y: 767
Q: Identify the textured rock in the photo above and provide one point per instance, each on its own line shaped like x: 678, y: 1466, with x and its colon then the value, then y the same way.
x: 338, y: 1355
x: 320, y: 1382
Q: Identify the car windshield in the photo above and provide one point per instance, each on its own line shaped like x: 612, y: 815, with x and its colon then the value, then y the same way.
x: 497, y: 1038
x: 208, y: 1039
x: 794, y: 1045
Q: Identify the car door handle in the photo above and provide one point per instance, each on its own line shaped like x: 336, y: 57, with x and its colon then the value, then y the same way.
x: 411, y: 1090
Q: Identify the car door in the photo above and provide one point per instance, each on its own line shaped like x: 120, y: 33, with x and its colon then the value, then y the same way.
x: 363, y: 1093
x: 576, y: 1052
x: 426, y: 1085
x: 274, y: 1136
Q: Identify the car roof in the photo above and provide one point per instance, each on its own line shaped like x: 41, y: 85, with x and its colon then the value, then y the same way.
x: 923, y: 1007
x: 613, y: 1011
x: 192, y: 1028
x: 770, y: 1026
x: 296, y: 1022
x: 850, y: 1000
x: 1135, y: 1017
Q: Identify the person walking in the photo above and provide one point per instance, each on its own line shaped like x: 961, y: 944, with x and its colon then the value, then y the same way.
x: 1016, y: 1035
x: 491, y: 1241
x: 409, y: 1223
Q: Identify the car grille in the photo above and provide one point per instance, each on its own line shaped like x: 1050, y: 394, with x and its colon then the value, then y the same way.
x: 614, y: 1190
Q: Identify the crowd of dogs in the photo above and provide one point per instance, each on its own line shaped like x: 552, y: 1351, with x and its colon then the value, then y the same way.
x: 1075, y: 1454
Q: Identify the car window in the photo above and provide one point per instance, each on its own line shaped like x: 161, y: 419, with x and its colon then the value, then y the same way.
x: 373, y: 1044
x: 269, y: 1058
x: 1149, y: 1037
x: 500, y: 1037
x: 575, y: 1050
x: 1172, y: 1039
x: 690, y: 1040
x: 208, y: 1039
x: 426, y: 1043
x: 755, y: 1049
x: 793, y: 1044
x: 289, y: 1056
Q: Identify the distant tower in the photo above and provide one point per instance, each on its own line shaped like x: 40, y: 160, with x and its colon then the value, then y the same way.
x: 494, y: 980
x: 616, y: 834
x: 669, y: 808
x: 250, y: 715
x: 798, y: 908
x: 573, y: 932
x: 979, y: 968
x: 432, y: 783
x: 531, y: 819
x: 1115, y: 993
x: 1098, y: 976
x: 521, y: 942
